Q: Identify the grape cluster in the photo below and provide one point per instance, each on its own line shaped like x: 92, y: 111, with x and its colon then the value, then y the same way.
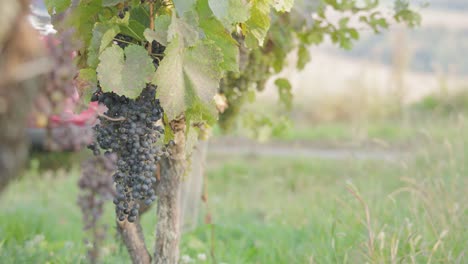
x: 129, y: 129
x: 157, y: 49
x: 59, y: 85
x: 96, y: 186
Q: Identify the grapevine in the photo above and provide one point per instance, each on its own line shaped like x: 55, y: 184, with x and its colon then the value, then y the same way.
x: 191, y: 52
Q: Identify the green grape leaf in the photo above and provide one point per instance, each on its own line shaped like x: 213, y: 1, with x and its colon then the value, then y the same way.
x: 57, y: 6
x: 82, y: 19
x: 303, y: 57
x: 183, y: 6
x: 168, y: 133
x: 161, y: 26
x: 201, y: 112
x: 187, y: 73
x: 167, y: 28
x: 138, y: 68
x: 103, y: 35
x: 215, y: 31
x: 230, y: 12
x: 284, y: 92
x: 124, y: 71
x: 258, y: 24
x: 283, y: 5
x: 110, y: 68
x: 140, y: 14
x: 86, y: 80
x: 179, y: 27
x: 129, y: 27
x: 111, y: 2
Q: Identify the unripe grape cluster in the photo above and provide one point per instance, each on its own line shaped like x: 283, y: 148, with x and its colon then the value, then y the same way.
x: 130, y: 129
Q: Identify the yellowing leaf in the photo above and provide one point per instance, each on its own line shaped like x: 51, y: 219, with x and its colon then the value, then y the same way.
x: 187, y: 74
x: 258, y: 24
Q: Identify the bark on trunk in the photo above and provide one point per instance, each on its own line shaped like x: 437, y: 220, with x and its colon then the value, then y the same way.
x: 168, y: 192
x: 132, y: 236
x: 192, y: 187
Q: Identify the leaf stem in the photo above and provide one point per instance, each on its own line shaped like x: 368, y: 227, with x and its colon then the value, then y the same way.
x: 123, y: 41
x: 111, y: 118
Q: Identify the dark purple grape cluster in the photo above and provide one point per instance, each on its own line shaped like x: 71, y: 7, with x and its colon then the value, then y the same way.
x: 157, y: 49
x: 60, y: 81
x: 96, y: 187
x: 130, y: 130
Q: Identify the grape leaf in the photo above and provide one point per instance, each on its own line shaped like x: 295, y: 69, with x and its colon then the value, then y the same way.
x: 166, y: 29
x: 215, y: 31
x: 187, y: 73
x: 258, y: 24
x: 201, y: 112
x: 179, y: 27
x: 84, y: 83
x: 57, y: 6
x: 103, y: 34
x: 138, y: 68
x: 182, y: 6
x: 82, y: 18
x: 303, y: 57
x: 161, y: 26
x: 284, y: 92
x: 111, y: 2
x: 110, y: 68
x: 126, y: 76
x: 129, y: 27
x: 230, y: 12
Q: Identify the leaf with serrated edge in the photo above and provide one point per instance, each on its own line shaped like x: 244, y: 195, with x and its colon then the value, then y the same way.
x: 258, y: 24
x: 215, y: 31
x: 187, y: 72
x: 137, y: 71
x: 110, y: 69
x: 126, y: 77
x: 103, y: 34
x: 170, y: 80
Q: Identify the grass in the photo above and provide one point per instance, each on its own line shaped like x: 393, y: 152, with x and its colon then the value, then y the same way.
x: 277, y: 210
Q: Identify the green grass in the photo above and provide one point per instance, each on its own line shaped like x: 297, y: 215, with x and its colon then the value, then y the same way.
x: 278, y: 210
